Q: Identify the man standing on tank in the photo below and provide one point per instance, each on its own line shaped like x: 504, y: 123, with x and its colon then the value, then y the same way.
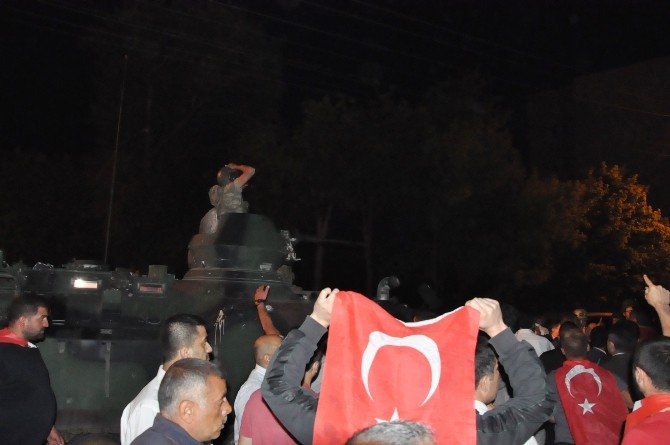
x: 27, y: 402
x: 226, y: 195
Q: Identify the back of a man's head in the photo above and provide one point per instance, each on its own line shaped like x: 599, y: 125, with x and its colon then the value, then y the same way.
x: 653, y: 357
x: 623, y: 336
x: 485, y: 359
x: 567, y: 326
x: 526, y: 321
x: 24, y: 306
x: 574, y: 343
x: 264, y: 348
x: 177, y: 332
x: 394, y: 433
x: 185, y: 380
x: 510, y: 316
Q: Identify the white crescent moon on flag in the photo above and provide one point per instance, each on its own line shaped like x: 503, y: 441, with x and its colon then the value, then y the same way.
x: 424, y: 345
x: 580, y: 369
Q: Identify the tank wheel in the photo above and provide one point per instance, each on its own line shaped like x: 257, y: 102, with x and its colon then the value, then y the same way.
x: 95, y: 439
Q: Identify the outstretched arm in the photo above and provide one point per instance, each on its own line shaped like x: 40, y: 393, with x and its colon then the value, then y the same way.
x: 247, y: 173
x: 658, y: 297
x: 266, y: 321
x: 293, y: 405
x: 517, y: 419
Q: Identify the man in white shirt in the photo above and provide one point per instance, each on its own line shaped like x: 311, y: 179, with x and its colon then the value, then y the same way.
x: 525, y: 333
x: 264, y: 348
x: 182, y: 336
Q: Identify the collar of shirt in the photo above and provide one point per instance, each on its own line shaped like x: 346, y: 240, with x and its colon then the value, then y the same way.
x: 481, y: 407
x: 260, y: 370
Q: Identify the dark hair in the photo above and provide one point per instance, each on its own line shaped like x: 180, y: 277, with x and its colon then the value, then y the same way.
x: 398, y: 432
x: 24, y: 305
x: 185, y: 378
x: 624, y: 335
x: 510, y: 316
x: 570, y: 318
x: 599, y: 337
x: 568, y: 326
x: 526, y: 321
x: 227, y: 175
x: 574, y: 343
x: 485, y: 359
x: 653, y: 357
x: 177, y: 332
x: 628, y: 302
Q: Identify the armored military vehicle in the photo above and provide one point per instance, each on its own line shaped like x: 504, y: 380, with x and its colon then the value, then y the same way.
x: 102, y: 347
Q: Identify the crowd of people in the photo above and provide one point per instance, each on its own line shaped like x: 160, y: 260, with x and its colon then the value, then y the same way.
x: 568, y: 382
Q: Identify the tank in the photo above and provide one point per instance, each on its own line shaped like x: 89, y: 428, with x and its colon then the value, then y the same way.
x: 102, y: 345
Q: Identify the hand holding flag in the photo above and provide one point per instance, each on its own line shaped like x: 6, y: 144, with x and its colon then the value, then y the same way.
x: 323, y: 306
x: 490, y: 315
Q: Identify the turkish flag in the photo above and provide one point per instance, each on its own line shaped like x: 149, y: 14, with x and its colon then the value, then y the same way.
x: 593, y: 404
x: 380, y: 369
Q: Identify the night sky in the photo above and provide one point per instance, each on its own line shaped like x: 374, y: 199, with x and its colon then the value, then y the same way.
x: 61, y: 57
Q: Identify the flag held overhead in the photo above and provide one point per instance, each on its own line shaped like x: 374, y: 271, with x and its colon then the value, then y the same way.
x: 382, y: 369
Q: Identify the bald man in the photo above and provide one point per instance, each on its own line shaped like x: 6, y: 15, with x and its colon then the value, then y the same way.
x: 264, y: 348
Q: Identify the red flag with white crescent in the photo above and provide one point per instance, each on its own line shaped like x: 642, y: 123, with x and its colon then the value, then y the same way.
x: 380, y: 369
x: 592, y: 402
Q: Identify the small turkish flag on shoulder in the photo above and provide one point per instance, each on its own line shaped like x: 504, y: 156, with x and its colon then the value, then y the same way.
x: 381, y: 369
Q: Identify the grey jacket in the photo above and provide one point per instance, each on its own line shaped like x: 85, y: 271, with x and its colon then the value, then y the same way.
x: 510, y: 423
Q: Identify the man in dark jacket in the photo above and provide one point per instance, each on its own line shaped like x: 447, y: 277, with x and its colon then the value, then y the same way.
x: 511, y: 422
x: 621, y: 343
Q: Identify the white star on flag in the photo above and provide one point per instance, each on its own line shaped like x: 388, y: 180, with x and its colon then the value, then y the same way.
x: 586, y: 406
x: 394, y: 416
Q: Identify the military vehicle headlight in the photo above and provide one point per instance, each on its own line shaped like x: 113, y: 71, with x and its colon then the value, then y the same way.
x: 80, y: 283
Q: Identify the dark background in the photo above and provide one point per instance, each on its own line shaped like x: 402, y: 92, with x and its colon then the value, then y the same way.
x: 448, y: 143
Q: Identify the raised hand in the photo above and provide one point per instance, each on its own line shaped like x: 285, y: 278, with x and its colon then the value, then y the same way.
x: 490, y: 315
x: 323, y: 306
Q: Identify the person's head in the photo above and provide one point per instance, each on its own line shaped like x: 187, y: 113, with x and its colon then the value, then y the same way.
x: 510, y: 316
x: 628, y: 306
x: 28, y: 316
x: 581, y: 315
x: 398, y: 432
x: 623, y: 337
x: 264, y: 348
x: 193, y: 395
x: 598, y: 337
x: 651, y: 367
x: 617, y: 317
x: 487, y: 376
x: 567, y: 326
x: 526, y: 321
x: 184, y: 336
x: 574, y: 344
x: 227, y: 175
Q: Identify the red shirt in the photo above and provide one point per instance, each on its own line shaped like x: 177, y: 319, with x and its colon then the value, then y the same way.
x: 653, y: 430
x: 261, y: 426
